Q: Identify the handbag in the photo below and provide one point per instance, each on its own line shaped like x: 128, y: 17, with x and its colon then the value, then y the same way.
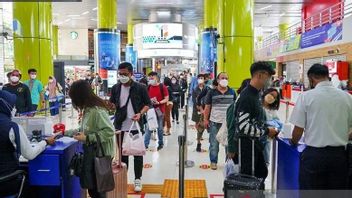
x: 152, y: 120
x: 133, y: 144
x: 121, y: 114
x: 76, y: 164
x: 103, y: 169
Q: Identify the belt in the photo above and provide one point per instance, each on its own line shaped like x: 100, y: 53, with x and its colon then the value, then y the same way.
x: 327, y: 148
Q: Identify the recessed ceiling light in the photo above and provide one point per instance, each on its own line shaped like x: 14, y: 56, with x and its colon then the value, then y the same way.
x: 95, y: 8
x: 266, y: 7
x: 84, y: 13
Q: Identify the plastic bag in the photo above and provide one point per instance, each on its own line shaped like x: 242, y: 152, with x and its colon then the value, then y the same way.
x: 230, y: 168
x: 133, y: 144
x: 152, y: 120
x: 275, y: 123
x: 221, y: 137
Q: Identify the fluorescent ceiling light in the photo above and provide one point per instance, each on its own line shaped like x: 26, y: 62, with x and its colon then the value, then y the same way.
x: 119, y: 23
x: 67, y: 20
x: 95, y: 8
x: 266, y: 7
x: 56, y: 14
x: 282, y: 14
x: 73, y: 15
x: 84, y: 13
x: 164, y: 13
x: 93, y: 19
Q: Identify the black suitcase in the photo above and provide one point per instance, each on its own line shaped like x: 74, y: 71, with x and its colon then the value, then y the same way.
x: 242, y: 185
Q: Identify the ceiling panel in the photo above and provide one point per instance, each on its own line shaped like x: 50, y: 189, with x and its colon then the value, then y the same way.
x: 268, y: 13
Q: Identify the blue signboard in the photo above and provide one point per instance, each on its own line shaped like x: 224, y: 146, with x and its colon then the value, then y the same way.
x: 208, y: 52
x: 131, y: 57
x: 109, y: 50
x: 325, y: 34
x: 138, y: 76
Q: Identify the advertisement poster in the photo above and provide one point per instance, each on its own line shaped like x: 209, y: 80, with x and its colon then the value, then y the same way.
x: 325, y: 34
x: 162, y: 35
x: 112, y: 78
x: 290, y: 44
x: 108, y: 50
x: 131, y: 57
x: 208, y: 52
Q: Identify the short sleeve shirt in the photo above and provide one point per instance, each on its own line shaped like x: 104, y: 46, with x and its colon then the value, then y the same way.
x: 325, y: 113
x: 155, y: 92
x: 219, y: 103
x: 35, y: 87
x: 126, y: 125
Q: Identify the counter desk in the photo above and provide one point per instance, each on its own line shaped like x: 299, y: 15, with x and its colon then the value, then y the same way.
x: 49, y: 174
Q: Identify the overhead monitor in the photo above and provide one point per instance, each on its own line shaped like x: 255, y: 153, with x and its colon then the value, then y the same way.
x: 162, y: 35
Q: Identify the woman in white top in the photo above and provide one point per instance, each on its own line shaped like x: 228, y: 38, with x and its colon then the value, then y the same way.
x: 53, y: 93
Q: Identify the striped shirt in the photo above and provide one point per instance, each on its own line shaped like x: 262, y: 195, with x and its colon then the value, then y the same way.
x: 219, y: 103
x: 249, y: 114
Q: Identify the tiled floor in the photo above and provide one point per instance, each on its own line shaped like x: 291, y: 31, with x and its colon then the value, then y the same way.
x: 164, y: 162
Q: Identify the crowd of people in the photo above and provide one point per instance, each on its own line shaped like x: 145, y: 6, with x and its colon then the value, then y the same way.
x: 323, y: 114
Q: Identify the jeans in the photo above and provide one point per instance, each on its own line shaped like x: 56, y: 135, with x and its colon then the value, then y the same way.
x: 138, y: 160
x: 160, y: 132
x: 323, y: 169
x: 267, y: 147
x: 214, y: 144
x: 54, y: 111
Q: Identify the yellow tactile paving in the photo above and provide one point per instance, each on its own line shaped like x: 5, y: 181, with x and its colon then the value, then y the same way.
x: 193, y: 189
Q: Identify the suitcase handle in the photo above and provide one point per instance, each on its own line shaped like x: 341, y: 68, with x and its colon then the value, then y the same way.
x: 240, y: 157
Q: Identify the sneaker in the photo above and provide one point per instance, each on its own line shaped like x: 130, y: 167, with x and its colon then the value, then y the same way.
x: 173, y: 120
x: 199, y: 148
x: 213, y: 166
x: 137, y: 185
x: 177, y: 122
x: 160, y: 147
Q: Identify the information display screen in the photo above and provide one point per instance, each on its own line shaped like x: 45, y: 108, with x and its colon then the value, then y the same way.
x: 162, y: 35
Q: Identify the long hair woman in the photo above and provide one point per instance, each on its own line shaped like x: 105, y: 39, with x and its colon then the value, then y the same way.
x: 95, y: 122
x: 53, y: 92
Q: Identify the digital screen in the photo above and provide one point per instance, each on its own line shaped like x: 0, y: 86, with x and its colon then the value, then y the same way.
x: 162, y: 35
x: 112, y: 78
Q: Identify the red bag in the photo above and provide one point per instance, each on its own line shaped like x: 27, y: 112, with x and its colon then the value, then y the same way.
x: 59, y: 128
x: 119, y: 170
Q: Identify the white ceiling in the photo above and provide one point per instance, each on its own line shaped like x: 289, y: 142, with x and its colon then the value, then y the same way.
x: 268, y: 13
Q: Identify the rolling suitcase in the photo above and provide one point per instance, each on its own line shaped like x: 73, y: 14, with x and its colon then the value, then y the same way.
x: 240, y: 185
x: 119, y: 170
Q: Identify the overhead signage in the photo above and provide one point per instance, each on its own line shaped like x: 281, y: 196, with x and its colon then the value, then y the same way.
x: 208, y: 52
x: 325, y: 34
x: 162, y: 35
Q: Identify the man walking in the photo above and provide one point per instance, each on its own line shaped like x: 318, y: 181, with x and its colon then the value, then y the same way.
x: 216, y: 103
x: 132, y: 97
x: 324, y: 114
x: 36, y: 89
x: 159, y: 95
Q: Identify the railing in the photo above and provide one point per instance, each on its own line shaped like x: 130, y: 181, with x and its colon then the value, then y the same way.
x: 334, y: 13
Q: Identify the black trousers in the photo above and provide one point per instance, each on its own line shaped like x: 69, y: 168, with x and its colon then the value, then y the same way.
x: 182, y: 103
x: 93, y: 193
x: 138, y: 160
x: 175, y: 113
x: 323, y: 169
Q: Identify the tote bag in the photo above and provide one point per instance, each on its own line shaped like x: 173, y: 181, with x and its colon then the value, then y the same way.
x: 152, y: 120
x: 133, y: 144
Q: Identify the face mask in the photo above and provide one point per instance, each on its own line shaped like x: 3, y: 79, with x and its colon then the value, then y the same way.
x: 152, y: 82
x: 88, y: 77
x: 181, y: 77
x: 223, y: 83
x: 33, y: 76
x: 14, y: 79
x: 269, y: 99
x: 173, y: 81
x: 200, y: 81
x: 124, y: 79
x: 51, y: 80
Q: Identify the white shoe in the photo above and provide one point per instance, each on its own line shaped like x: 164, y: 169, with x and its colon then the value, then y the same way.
x: 137, y: 185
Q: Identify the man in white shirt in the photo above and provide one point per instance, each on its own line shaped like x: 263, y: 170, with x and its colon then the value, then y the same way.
x: 325, y: 115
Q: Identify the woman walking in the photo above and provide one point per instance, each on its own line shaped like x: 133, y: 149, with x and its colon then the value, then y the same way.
x: 175, y: 91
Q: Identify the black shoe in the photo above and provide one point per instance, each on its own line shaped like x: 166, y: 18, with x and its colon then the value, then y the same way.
x: 160, y: 147
x: 199, y: 148
x: 177, y: 122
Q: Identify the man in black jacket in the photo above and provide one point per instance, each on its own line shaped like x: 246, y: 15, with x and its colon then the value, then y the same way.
x: 250, y: 122
x: 132, y: 98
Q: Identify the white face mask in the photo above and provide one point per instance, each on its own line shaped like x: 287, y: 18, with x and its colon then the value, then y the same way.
x: 124, y: 79
x: 224, y: 83
x: 14, y: 79
x: 200, y: 81
x: 152, y: 82
x: 51, y: 80
x: 173, y: 81
x: 33, y: 76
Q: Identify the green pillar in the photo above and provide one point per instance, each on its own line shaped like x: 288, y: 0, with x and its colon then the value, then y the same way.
x: 282, y: 30
x: 130, y: 34
x: 32, y: 38
x: 220, y: 29
x: 107, y: 14
x: 210, y: 13
x: 238, y: 39
x: 55, y: 39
